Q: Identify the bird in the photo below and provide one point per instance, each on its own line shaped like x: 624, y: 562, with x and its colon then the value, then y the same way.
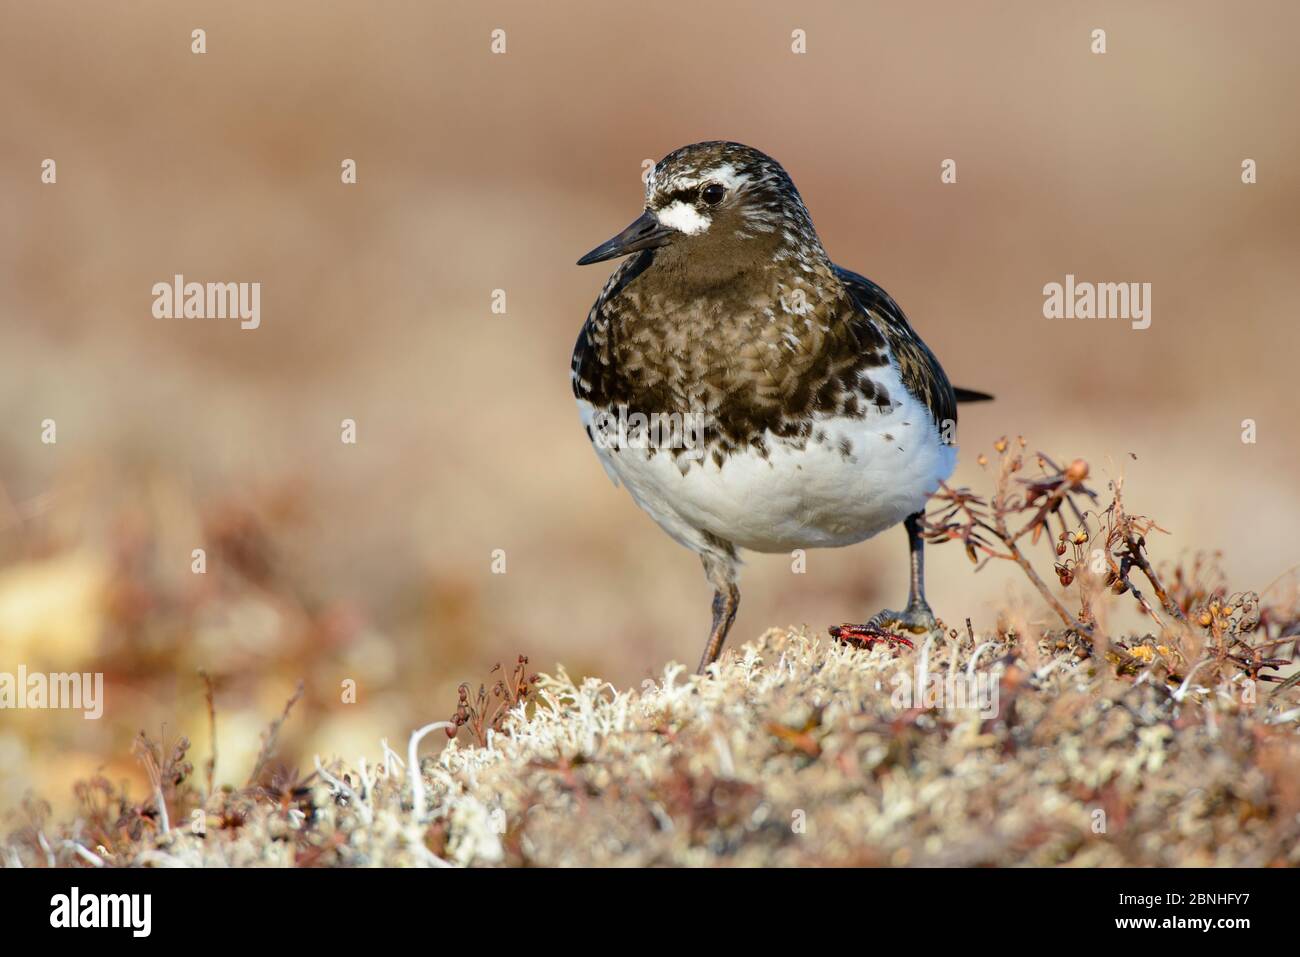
x: 750, y: 394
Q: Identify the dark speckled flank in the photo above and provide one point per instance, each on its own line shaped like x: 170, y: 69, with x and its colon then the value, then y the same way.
x: 786, y: 338
x: 920, y: 371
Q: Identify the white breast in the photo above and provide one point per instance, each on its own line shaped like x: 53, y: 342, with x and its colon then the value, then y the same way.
x: 816, y: 497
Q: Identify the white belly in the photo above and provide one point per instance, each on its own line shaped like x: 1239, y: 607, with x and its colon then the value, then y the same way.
x: 815, y: 497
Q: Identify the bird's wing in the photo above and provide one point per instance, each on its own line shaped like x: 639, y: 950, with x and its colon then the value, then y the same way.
x: 919, y: 369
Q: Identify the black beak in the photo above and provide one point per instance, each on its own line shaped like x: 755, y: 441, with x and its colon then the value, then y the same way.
x: 645, y: 233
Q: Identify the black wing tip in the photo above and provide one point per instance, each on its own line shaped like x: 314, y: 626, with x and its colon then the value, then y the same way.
x: 971, y: 395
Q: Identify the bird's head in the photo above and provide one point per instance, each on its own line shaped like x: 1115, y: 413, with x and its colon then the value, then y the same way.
x: 716, y: 209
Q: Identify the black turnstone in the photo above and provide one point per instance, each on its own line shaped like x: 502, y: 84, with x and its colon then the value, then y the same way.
x: 748, y: 392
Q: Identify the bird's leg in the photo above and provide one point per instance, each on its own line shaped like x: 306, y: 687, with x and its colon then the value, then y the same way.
x: 726, y: 600
x: 725, y: 604
x: 916, y: 618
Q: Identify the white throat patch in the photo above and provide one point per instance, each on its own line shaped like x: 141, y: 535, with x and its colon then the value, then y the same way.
x: 683, y: 217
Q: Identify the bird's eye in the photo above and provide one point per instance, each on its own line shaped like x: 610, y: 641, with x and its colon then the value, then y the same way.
x: 712, y: 193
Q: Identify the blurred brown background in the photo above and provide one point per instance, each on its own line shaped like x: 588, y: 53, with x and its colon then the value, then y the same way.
x: 479, y: 172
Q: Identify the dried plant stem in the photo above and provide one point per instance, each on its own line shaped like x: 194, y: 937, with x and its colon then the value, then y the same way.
x: 1014, y: 553
x: 1139, y: 558
x: 1148, y: 608
x: 212, y: 731
x: 272, y: 733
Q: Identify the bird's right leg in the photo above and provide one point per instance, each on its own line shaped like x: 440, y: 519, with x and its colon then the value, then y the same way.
x: 721, y: 572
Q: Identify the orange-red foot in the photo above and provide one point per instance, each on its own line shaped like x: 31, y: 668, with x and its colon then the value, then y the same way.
x: 866, y: 636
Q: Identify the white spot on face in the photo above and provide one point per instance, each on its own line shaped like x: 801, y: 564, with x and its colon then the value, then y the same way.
x: 727, y: 175
x: 684, y: 218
